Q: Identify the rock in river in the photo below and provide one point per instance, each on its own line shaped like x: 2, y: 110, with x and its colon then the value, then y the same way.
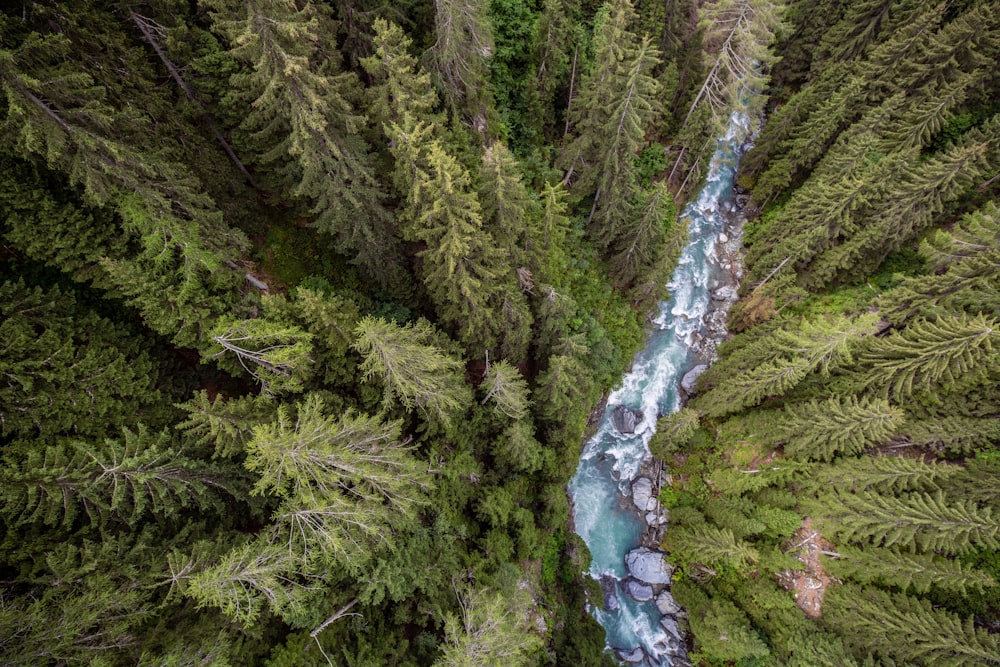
x: 648, y: 566
x: 625, y: 420
x: 638, y: 591
x: 666, y: 604
x: 642, y: 494
x: 690, y: 380
x: 634, y: 656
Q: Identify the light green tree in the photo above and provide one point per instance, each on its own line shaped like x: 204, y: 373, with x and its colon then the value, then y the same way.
x: 410, y: 367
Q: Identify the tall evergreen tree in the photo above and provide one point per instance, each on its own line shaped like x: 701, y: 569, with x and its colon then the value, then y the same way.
x: 820, y: 431
x: 412, y: 369
x: 303, y: 122
x: 907, y: 629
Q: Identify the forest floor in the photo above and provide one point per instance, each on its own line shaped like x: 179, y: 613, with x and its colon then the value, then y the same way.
x: 810, y: 583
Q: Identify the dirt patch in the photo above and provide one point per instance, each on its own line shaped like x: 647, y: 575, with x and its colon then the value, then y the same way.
x: 810, y: 583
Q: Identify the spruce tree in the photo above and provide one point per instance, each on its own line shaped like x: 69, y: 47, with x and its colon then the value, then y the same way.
x: 907, y: 629
x: 411, y: 368
x: 302, y: 122
x: 917, y: 521
x: 892, y: 567
x: 929, y: 354
x: 820, y: 431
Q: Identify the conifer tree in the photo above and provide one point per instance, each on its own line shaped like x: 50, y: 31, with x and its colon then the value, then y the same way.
x: 317, y: 457
x: 892, y: 567
x: 276, y: 355
x: 724, y: 633
x: 460, y: 55
x: 907, y: 629
x: 469, y: 278
x: 66, y: 371
x: 928, y: 354
x: 887, y: 474
x: 673, y: 432
x: 114, y: 480
x: 400, y: 86
x: 821, y: 431
x: 711, y: 546
x: 918, y: 521
x: 643, y: 235
x: 493, y: 629
x: 303, y: 122
x: 411, y: 368
x: 616, y: 105
x: 965, y: 261
x: 509, y: 211
x: 507, y: 390
x: 225, y: 424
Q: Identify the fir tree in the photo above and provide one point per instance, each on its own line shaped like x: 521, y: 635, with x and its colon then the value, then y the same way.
x: 918, y: 521
x: 493, y: 629
x: 507, y: 390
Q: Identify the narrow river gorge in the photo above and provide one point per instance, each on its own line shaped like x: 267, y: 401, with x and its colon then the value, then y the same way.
x: 614, y: 491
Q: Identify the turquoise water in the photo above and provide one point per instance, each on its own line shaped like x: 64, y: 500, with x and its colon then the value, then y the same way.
x: 604, y: 517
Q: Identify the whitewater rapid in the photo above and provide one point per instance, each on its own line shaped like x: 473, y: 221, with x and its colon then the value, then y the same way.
x: 604, y: 515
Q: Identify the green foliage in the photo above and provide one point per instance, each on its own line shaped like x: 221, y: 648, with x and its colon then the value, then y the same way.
x: 918, y: 521
x: 494, y: 628
x: 275, y: 355
x: 411, y: 368
x: 820, y: 431
x: 895, y: 568
x: 673, y: 432
x: 907, y: 629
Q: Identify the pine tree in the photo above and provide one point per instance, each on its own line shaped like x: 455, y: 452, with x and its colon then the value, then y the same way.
x: 66, y: 370
x: 56, y: 113
x: 469, y: 278
x: 317, y: 457
x: 907, y: 629
x: 965, y: 261
x: 400, y: 87
x: 616, y: 105
x: 887, y: 474
x: 891, y: 567
x: 276, y: 355
x: 711, y: 546
x: 821, y: 431
x: 412, y: 369
x: 225, y: 424
x: 723, y: 633
x: 114, y: 480
x: 509, y: 211
x: 460, y: 55
x: 673, y: 432
x: 643, y: 235
x: 750, y: 388
x: 248, y: 578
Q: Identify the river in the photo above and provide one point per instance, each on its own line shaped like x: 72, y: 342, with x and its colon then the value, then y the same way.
x: 604, y: 514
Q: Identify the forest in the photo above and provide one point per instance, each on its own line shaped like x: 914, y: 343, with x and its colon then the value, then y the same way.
x: 307, y: 308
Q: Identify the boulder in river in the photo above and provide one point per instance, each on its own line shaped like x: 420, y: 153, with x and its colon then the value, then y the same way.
x: 669, y: 626
x: 633, y: 656
x: 638, y: 591
x: 649, y: 566
x: 625, y: 419
x: 656, y: 518
x: 610, y: 593
x: 725, y: 293
x: 642, y: 494
x: 666, y: 604
x: 690, y: 380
